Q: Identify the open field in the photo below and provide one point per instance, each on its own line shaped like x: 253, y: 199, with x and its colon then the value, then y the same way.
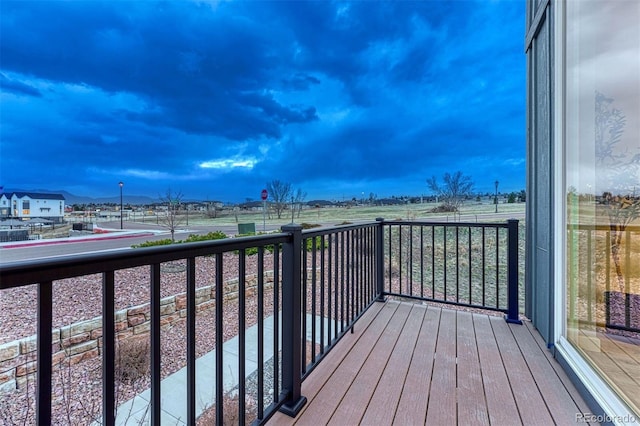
x: 471, y: 212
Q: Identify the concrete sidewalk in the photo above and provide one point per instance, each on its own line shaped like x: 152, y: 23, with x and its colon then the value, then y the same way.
x: 173, y: 388
x: 111, y: 235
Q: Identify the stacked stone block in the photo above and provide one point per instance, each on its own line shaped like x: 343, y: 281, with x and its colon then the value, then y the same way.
x: 83, y: 340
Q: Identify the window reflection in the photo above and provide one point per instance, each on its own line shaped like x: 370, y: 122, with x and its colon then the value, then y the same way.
x: 603, y: 189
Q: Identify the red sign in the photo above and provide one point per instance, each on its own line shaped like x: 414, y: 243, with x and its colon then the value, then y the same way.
x: 264, y: 194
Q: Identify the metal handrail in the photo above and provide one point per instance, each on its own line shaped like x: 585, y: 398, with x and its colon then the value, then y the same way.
x: 339, y: 272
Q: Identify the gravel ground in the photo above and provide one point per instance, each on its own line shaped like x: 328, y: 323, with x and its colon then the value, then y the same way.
x: 78, y: 387
x: 78, y: 299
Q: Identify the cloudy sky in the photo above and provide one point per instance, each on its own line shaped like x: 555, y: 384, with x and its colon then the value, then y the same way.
x: 215, y: 99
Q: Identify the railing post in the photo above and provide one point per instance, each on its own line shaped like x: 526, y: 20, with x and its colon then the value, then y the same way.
x: 292, y: 321
x: 380, y: 260
x: 512, y: 279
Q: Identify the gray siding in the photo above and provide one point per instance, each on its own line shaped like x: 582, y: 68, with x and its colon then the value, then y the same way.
x: 540, y: 178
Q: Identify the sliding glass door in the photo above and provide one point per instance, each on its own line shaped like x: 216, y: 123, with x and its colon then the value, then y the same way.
x: 602, y: 189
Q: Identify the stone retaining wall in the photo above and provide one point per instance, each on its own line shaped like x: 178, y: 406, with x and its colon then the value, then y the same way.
x: 83, y: 340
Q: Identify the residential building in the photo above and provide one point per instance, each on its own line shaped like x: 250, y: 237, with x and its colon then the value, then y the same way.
x: 583, y: 177
x: 31, y: 205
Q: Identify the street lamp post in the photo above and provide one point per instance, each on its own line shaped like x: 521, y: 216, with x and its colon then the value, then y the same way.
x: 496, y: 199
x: 121, y: 184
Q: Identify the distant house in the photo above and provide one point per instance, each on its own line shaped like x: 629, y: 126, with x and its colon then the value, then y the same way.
x: 31, y: 205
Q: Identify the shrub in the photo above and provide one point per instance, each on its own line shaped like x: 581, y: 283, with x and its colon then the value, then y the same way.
x: 252, y: 251
x: 444, y: 208
x: 132, y: 358
x: 192, y: 238
x: 164, y: 242
x: 310, y: 225
x: 215, y: 235
x: 319, y: 242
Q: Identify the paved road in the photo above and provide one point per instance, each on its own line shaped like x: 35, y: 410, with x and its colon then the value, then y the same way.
x: 44, y: 249
x: 149, y: 232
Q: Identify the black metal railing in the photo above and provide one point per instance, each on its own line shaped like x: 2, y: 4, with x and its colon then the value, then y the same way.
x: 468, y: 264
x: 601, y: 269
x: 45, y: 273
x: 338, y: 287
x: 323, y: 281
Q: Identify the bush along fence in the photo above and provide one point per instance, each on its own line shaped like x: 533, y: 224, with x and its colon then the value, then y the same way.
x: 82, y: 340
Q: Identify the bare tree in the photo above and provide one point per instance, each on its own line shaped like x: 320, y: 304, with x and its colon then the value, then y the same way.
x: 280, y: 193
x: 620, y: 175
x: 454, y: 189
x: 172, y: 219
x: 211, y: 212
x: 298, y: 199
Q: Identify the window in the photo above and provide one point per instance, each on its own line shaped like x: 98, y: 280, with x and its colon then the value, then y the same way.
x: 602, y: 166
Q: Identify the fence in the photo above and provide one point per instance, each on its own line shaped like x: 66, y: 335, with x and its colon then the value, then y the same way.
x: 605, y: 289
x: 322, y: 282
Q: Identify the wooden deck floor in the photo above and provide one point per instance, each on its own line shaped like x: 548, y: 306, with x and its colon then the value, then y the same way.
x: 410, y: 364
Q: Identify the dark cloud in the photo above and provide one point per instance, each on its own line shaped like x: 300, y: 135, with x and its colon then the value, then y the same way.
x: 17, y: 87
x: 198, y: 94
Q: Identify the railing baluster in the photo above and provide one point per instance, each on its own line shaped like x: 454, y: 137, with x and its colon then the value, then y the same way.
x: 444, y: 245
x: 220, y: 340
x: 410, y: 265
x: 276, y: 322
x: 242, y: 344
x: 304, y: 273
x: 589, y: 279
x: 433, y: 261
x: 261, y: 333
x: 108, y: 349
x: 470, y: 269
x: 191, y: 340
x: 379, y: 261
x: 497, y: 268
x: 351, y: 271
x: 608, y: 263
x: 627, y: 277
x: 342, y: 283
x: 350, y: 277
x: 336, y: 296
x: 484, y: 268
x: 399, y: 258
x: 330, y: 291
x: 44, y: 340
x: 155, y: 345
x: 314, y: 314
x: 322, y: 292
x: 357, y: 264
x: 422, y: 261
x: 457, y: 264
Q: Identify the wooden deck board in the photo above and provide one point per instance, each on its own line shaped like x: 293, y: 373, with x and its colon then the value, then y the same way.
x: 559, y: 402
x: 321, y: 408
x: 441, y: 409
x: 472, y: 405
x: 581, y: 405
x: 412, y: 408
x: 407, y: 364
x: 501, y: 405
x: 386, y: 396
x: 313, y: 384
x: 364, y: 385
x: 531, y: 405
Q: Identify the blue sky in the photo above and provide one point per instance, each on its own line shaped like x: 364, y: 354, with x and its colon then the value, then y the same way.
x: 215, y: 99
